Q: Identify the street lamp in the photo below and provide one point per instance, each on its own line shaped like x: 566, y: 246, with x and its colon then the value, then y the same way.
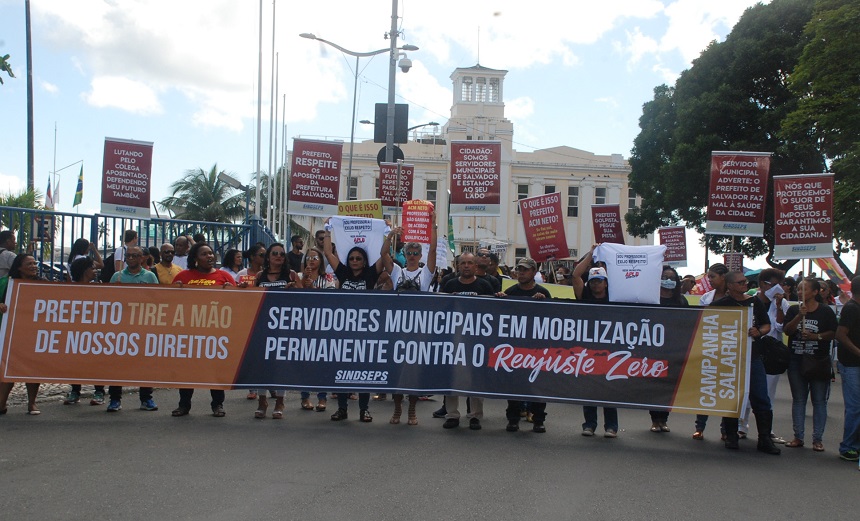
x: 431, y: 124
x: 311, y: 36
x: 235, y: 183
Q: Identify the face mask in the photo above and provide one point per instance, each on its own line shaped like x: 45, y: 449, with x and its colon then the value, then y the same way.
x: 668, y: 284
x: 559, y: 275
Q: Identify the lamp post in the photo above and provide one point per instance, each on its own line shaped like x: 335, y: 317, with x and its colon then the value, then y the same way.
x: 235, y: 183
x: 393, y: 49
x: 431, y: 124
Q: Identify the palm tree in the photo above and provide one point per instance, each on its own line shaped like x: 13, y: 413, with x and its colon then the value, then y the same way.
x: 6, y: 67
x: 201, y: 196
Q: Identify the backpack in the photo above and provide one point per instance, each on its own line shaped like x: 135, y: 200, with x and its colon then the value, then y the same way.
x: 108, y: 270
x: 405, y: 284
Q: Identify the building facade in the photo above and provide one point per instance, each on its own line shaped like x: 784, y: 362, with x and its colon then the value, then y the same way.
x: 478, y: 114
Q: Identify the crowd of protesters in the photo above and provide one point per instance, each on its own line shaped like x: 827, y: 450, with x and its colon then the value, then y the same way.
x: 820, y: 315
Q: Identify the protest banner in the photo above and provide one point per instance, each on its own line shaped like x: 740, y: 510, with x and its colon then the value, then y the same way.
x: 682, y: 359
x: 389, y: 185
x: 315, y: 178
x: 674, y: 238
x: 370, y: 208
x: 803, y: 216
x: 606, y: 219
x: 127, y: 178
x: 834, y: 272
x: 417, y: 221
x: 738, y: 186
x: 543, y: 221
x: 475, y: 178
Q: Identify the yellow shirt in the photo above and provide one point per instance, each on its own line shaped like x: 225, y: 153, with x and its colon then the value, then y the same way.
x: 165, y: 275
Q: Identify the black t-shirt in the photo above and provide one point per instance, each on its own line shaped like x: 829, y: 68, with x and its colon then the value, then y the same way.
x: 850, y: 318
x: 366, y: 280
x: 821, y: 320
x: 671, y: 301
x: 478, y: 287
x: 516, y: 291
x: 494, y: 282
x: 295, y: 260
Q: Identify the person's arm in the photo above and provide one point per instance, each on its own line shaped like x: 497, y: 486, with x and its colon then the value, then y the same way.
x: 579, y: 271
x: 790, y: 327
x: 98, y: 262
x: 385, y: 262
x: 431, y: 253
x: 332, y: 259
x: 845, y: 341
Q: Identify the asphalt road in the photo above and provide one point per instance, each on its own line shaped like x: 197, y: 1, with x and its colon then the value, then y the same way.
x: 79, y: 462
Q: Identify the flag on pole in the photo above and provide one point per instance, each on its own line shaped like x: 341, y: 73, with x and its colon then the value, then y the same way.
x: 79, y: 191
x: 49, y: 199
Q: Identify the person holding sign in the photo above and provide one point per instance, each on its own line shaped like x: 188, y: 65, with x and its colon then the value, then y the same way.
x: 596, y: 292
x: 201, y: 272
x: 736, y: 284
x: 810, y: 326
x: 359, y: 275
x: 24, y: 267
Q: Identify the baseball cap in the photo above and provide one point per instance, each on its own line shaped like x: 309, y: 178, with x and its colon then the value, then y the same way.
x: 528, y: 263
x: 597, y: 273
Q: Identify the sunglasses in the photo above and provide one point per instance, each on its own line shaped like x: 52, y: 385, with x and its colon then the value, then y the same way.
x: 356, y: 258
x: 483, y: 254
x: 133, y: 255
x: 313, y: 258
x: 413, y: 253
x: 168, y: 252
x: 278, y: 253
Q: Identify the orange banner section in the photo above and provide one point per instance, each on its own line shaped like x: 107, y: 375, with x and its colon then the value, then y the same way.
x: 715, y: 375
x: 89, y: 333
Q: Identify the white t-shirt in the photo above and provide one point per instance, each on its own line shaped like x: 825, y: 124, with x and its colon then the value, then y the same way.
x: 422, y: 276
x: 367, y: 234
x: 633, y: 272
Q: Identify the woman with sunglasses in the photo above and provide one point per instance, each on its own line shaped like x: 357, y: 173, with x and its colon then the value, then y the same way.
x: 358, y: 275
x: 202, y: 272
x: 275, y: 274
x: 24, y: 267
x: 314, y: 276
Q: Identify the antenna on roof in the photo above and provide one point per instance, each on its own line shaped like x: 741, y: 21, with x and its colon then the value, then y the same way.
x: 479, y: 45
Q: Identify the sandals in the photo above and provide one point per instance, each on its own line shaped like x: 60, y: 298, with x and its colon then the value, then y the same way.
x: 817, y: 446
x: 251, y: 395
x: 262, y: 405
x: 412, y: 417
x: 381, y: 397
x: 32, y: 410
x: 180, y: 411
x: 321, y: 406
x: 698, y: 435
x: 364, y: 416
x: 655, y: 427
x: 664, y: 428
x: 795, y: 443
x: 306, y: 405
x: 278, y: 413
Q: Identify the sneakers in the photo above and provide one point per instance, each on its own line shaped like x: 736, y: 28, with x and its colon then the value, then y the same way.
x: 440, y: 413
x: 72, y: 397
x: 218, y: 411
x: 475, y: 424
x: 451, y: 423
x: 114, y: 406
x: 610, y: 433
x: 98, y: 398
x: 850, y: 455
x: 587, y: 431
x: 539, y: 428
x: 148, y: 405
x: 777, y: 439
x: 512, y: 426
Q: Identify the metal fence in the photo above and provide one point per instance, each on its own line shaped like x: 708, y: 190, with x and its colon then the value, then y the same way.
x: 50, y: 235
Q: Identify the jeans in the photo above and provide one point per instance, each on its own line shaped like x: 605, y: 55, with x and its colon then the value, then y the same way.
x: 320, y: 396
x: 186, y: 394
x: 115, y: 393
x: 801, y: 388
x: 343, y: 400
x: 851, y: 395
x: 610, y: 418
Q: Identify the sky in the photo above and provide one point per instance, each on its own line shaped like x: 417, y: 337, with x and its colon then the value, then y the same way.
x: 183, y: 75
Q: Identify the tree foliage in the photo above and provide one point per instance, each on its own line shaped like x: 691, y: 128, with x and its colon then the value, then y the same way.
x: 6, y: 67
x: 201, y: 196
x: 734, y: 97
x: 827, y: 83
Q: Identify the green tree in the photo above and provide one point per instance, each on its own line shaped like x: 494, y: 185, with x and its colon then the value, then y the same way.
x: 734, y: 97
x: 828, y: 111
x: 6, y: 67
x: 201, y: 196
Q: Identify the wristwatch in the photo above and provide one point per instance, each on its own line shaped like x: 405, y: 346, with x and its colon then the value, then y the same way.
x: 819, y: 337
